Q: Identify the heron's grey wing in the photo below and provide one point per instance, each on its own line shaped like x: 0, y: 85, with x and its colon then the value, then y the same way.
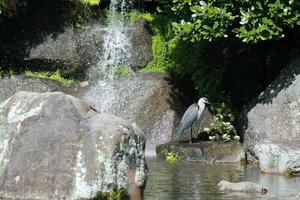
x: 189, y: 116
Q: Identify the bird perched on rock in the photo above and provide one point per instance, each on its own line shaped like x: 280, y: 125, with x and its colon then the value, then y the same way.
x: 192, y: 114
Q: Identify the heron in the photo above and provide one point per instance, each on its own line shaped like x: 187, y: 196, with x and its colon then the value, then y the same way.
x: 192, y: 114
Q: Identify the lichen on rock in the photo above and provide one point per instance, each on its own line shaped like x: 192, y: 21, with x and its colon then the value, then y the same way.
x: 54, y: 146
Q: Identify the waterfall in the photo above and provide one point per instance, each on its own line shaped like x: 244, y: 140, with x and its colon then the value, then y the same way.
x: 116, y: 52
x: 117, y: 44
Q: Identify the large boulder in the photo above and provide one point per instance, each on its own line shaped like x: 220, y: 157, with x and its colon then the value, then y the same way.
x: 148, y: 98
x: 73, y: 48
x: 271, y: 124
x: 80, y: 48
x: 53, y: 146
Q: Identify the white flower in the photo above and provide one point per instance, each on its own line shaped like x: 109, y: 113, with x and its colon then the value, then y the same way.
x: 213, y: 138
x: 236, y: 137
x: 226, y: 137
x: 194, y: 15
x: 202, y: 3
x: 206, y: 129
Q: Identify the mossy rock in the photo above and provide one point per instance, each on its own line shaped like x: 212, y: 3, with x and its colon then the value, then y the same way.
x: 205, y: 151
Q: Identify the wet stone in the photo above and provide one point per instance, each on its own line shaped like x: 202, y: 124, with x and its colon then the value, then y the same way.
x: 205, y: 151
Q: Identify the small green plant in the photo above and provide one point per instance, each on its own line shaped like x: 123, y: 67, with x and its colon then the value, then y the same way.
x: 221, y: 127
x: 50, y: 75
x: 171, y: 156
x: 289, y: 172
x: 6, y: 73
x: 117, y: 194
x: 123, y: 70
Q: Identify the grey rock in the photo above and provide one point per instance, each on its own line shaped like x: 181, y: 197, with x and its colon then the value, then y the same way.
x: 74, y: 49
x: 147, y: 98
x: 209, y: 152
x: 13, y: 84
x: 271, y: 124
x: 61, y: 47
x: 141, y: 44
x: 53, y: 146
x: 241, y: 187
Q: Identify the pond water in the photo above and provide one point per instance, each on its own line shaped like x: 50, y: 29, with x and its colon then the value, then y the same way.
x: 194, y: 180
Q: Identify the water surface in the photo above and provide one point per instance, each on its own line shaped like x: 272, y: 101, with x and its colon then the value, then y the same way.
x: 194, y: 180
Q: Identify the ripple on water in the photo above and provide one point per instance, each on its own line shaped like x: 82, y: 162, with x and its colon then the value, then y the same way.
x: 194, y: 180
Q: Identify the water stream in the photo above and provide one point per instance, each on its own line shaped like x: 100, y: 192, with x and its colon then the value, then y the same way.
x: 117, y: 45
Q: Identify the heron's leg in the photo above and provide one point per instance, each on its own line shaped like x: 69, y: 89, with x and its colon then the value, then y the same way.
x: 191, y: 135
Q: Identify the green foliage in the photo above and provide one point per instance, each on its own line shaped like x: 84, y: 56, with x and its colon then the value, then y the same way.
x: 221, y: 127
x: 171, y: 156
x: 248, y: 20
x: 118, y: 194
x: 50, y: 75
x: 161, y: 61
x: 135, y: 15
x: 171, y: 54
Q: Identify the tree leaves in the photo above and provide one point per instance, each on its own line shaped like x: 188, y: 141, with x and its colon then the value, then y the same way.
x: 257, y: 20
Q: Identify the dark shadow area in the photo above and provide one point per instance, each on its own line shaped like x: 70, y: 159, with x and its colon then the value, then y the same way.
x: 28, y: 28
x: 183, y: 93
x: 234, y: 69
x: 202, y: 136
x: 32, y: 22
x: 251, y: 69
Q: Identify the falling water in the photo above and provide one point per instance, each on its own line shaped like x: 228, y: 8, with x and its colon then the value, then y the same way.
x: 117, y: 45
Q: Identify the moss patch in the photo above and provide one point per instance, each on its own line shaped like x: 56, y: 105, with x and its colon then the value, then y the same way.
x: 50, y: 75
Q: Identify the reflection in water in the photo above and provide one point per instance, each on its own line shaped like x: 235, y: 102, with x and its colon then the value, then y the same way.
x: 194, y: 180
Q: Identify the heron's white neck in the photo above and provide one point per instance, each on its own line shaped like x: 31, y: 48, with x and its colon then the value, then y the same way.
x: 201, y: 108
